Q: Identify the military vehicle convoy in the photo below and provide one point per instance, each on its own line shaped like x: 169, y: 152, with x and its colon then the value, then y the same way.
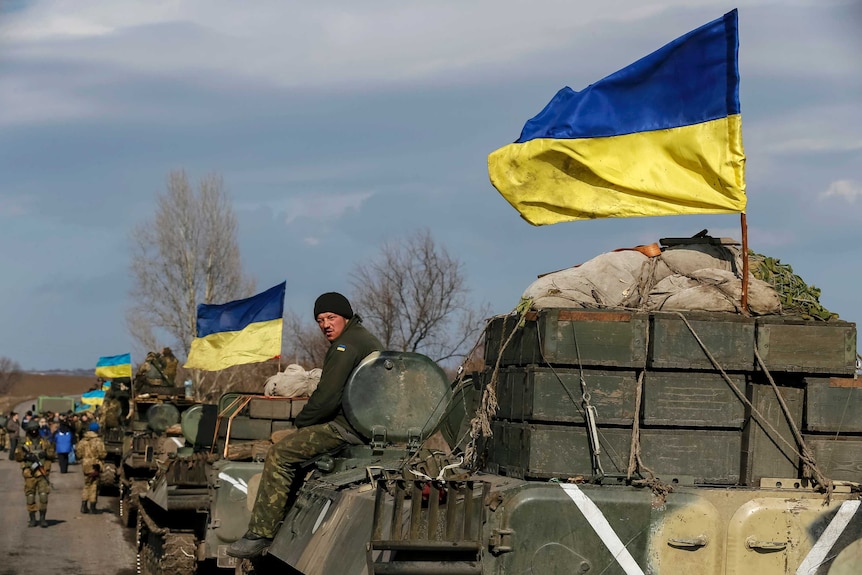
x: 154, y: 430
x: 595, y: 440
x: 140, y: 423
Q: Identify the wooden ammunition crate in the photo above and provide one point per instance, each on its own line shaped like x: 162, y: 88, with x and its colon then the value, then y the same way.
x: 764, y: 453
x: 693, y: 399
x: 547, y: 451
x: 246, y: 428
x: 709, y: 456
x: 570, y: 337
x: 728, y: 338
x: 797, y: 345
x: 556, y: 395
x: 270, y: 408
x: 833, y: 404
x: 839, y: 458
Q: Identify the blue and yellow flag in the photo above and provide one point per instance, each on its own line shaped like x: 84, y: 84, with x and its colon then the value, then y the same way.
x: 660, y: 137
x: 113, y: 366
x: 238, y: 332
x: 95, y: 397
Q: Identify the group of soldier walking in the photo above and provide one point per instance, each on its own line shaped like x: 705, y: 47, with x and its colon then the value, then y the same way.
x: 40, y: 446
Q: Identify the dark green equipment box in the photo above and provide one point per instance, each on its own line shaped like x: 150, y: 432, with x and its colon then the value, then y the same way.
x: 708, y: 412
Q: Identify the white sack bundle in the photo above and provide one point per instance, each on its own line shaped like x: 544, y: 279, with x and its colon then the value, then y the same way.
x: 712, y: 290
x: 606, y: 280
x: 294, y: 381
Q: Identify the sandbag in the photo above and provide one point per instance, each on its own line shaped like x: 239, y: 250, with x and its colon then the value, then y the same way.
x: 606, y: 280
x: 712, y: 290
x: 684, y: 277
x: 294, y: 381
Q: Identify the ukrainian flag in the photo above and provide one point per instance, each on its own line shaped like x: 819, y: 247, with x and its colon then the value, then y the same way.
x: 114, y: 366
x: 238, y: 332
x: 660, y: 137
x: 95, y: 397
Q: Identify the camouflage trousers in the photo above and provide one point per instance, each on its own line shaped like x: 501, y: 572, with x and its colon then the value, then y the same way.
x: 90, y: 492
x: 279, y: 470
x: 36, y: 490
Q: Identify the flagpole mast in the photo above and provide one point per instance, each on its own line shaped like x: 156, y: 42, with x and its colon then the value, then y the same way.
x: 744, y: 225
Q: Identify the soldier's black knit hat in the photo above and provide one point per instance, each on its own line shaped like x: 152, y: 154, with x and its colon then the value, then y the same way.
x: 333, y: 302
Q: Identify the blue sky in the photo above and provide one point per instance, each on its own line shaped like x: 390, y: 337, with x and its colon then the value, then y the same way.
x: 340, y: 125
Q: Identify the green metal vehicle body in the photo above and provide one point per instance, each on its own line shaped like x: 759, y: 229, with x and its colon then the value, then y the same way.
x: 622, y: 443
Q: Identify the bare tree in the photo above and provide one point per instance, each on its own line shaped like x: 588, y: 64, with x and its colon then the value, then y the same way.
x: 304, y: 344
x: 413, y: 296
x: 10, y: 373
x: 185, y: 255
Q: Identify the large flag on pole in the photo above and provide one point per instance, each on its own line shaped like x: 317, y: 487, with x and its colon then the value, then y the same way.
x: 94, y: 397
x: 662, y: 136
x: 238, y: 332
x: 114, y: 366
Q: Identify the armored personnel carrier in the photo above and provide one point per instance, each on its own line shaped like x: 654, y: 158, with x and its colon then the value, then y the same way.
x: 153, y: 430
x: 200, y: 500
x: 620, y: 440
x: 595, y: 440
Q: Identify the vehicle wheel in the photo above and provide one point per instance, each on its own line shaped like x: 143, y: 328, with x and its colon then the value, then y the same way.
x: 178, y: 555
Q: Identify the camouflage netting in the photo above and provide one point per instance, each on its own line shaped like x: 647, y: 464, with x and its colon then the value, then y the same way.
x: 797, y: 298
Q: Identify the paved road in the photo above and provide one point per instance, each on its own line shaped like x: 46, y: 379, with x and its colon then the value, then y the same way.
x: 73, y: 543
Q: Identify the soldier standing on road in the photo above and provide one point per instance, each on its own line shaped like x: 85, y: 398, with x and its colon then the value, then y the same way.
x: 13, y: 428
x: 91, y: 453
x: 322, y: 425
x: 35, y: 454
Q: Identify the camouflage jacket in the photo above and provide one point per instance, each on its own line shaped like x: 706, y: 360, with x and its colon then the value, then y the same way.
x: 44, y: 450
x: 91, y: 448
x: 344, y: 354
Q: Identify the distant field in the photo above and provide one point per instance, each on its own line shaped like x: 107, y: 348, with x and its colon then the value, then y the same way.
x: 33, y: 385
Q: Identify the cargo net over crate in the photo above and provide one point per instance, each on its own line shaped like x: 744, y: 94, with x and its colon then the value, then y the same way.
x: 641, y: 365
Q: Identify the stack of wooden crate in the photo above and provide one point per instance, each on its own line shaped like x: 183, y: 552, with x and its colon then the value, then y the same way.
x: 694, y: 425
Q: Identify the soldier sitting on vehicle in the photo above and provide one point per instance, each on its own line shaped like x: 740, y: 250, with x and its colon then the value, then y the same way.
x: 152, y: 371
x: 322, y: 425
x: 170, y: 366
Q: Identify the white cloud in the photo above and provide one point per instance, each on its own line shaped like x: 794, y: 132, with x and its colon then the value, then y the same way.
x: 848, y: 190
x: 336, y: 43
x: 311, y: 241
x: 321, y: 207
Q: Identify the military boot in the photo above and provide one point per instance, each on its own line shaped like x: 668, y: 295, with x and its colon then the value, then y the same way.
x: 42, y: 521
x: 32, y: 519
x: 250, y: 546
x: 93, y: 507
x: 84, y: 507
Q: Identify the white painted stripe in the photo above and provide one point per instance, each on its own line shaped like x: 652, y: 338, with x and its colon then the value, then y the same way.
x: 830, y: 535
x: 603, y: 529
x: 238, y: 483
x: 321, y: 516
